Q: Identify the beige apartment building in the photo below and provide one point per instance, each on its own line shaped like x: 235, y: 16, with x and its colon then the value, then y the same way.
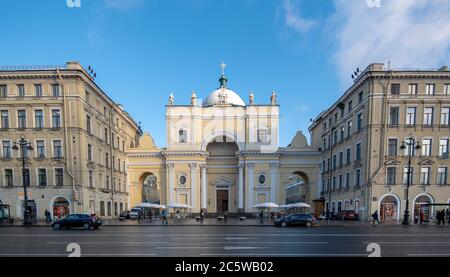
x: 360, y: 135
x: 79, y: 137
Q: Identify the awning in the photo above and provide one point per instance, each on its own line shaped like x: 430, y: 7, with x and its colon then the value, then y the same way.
x: 266, y: 205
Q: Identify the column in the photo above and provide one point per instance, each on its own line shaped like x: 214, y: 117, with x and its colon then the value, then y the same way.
x: 251, y: 186
x: 194, y: 191
x: 273, y: 183
x: 241, y: 187
x: 203, y: 189
x: 171, y: 178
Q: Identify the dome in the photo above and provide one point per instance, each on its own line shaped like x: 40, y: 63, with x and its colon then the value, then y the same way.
x: 223, y: 95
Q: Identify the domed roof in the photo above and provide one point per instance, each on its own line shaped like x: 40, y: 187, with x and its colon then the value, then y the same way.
x: 299, y: 141
x: 223, y: 95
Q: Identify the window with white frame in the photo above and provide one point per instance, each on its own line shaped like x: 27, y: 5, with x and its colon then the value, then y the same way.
x: 21, y: 90
x: 410, y: 116
x: 38, y: 90
x: 426, y: 146
x: 56, y: 90
x: 428, y: 115
x: 57, y: 149
x: 443, y: 146
x: 393, y: 115
x: 22, y: 118
x: 59, y: 177
x: 430, y: 89
x: 348, y: 155
x: 358, y: 152
x: 40, y: 148
x: 390, y: 175
x: 349, y: 129
x: 445, y: 116
x: 182, y: 136
x: 6, y: 149
x: 392, y: 147
x: 3, y: 90
x: 347, y: 179
x: 442, y: 175
x: 42, y: 177
x: 358, y: 177
x: 56, y: 118
x: 9, y: 180
x: 405, y: 175
x: 5, y: 119
x: 425, y: 175
x: 412, y: 89
x: 39, y: 119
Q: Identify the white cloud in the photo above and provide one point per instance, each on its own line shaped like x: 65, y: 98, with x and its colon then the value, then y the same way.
x: 409, y: 33
x: 293, y: 19
x: 123, y: 5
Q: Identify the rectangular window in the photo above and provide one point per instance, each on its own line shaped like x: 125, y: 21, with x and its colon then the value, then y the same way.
x: 113, y: 162
x: 392, y: 147
x: 445, y: 116
x: 107, y: 160
x: 334, y: 162
x: 348, y: 159
x: 91, y: 174
x: 430, y: 89
x: 39, y: 119
x: 405, y: 175
x: 349, y: 129
x: 3, y: 91
x: 347, y: 179
x: 411, y: 116
x: 358, y: 177
x: 56, y: 119
x: 395, y: 89
x: 390, y: 175
x: 335, y: 137
x: 182, y: 136
x: 334, y: 183
x: 88, y: 124
x: 59, y: 177
x: 393, y: 115
x: 359, y: 121
x: 9, y: 181
x: 425, y: 175
x: 5, y: 119
x: 341, y: 181
x: 106, y: 135
x: 342, y: 133
x: 412, y: 89
x: 341, y: 158
x: 442, y: 175
x: 20, y: 90
x: 428, y: 116
x: 360, y: 97
x: 56, y: 90
x: 443, y: 147
x: 410, y: 147
x: 350, y: 107
x: 426, y: 147
x: 6, y: 145
x: 42, y: 177
x: 358, y: 152
x: 118, y: 164
x: 22, y: 116
x: 40, y: 148
x: 447, y: 89
x: 89, y: 154
x: 38, y: 90
x: 57, y: 149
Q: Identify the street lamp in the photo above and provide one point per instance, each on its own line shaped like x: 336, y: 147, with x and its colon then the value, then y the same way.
x: 24, y: 145
x: 410, y: 144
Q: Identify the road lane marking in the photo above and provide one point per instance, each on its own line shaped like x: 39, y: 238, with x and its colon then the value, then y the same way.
x: 284, y: 254
x: 242, y: 247
x: 410, y: 242
x: 427, y: 254
x: 65, y: 255
x: 216, y: 242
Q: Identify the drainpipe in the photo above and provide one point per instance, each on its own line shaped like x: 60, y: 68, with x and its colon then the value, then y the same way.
x: 111, y: 163
x: 66, y: 141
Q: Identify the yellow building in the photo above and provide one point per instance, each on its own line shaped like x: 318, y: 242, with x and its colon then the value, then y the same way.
x: 223, y: 155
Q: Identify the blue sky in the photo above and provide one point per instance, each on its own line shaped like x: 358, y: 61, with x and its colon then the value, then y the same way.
x: 304, y: 50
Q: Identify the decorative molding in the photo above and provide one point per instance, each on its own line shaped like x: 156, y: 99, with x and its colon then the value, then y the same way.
x: 222, y: 182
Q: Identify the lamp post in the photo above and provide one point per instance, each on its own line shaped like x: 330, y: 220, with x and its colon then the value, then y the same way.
x: 24, y: 145
x: 410, y: 144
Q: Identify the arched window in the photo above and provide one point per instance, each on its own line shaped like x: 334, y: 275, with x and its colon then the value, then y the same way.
x: 102, y: 208
x: 109, y: 209
x: 121, y: 207
x: 115, y: 208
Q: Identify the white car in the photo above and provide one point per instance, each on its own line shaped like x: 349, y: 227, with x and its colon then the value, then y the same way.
x: 134, y: 213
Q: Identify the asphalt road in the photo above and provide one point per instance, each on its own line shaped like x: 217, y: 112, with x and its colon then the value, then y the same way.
x: 228, y: 241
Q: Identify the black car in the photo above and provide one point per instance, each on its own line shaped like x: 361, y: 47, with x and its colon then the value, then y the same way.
x: 84, y: 221
x: 125, y: 215
x: 295, y: 220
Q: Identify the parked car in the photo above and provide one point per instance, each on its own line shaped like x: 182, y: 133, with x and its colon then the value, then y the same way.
x: 134, y: 213
x: 124, y: 215
x: 307, y: 220
x: 84, y: 221
x: 346, y: 215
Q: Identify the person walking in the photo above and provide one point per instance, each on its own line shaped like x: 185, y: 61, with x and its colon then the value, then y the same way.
x: 202, y: 216
x: 375, y: 217
x: 164, y: 216
x: 416, y: 218
x: 261, y: 216
x: 48, y: 218
x: 140, y: 217
x: 225, y: 216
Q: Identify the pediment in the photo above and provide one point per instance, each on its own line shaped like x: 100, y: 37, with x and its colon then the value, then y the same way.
x: 222, y: 182
x: 392, y: 162
x: 426, y: 162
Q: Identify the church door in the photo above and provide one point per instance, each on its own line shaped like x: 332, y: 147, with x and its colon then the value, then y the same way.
x: 222, y: 200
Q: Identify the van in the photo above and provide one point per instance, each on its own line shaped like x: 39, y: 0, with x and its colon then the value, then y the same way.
x: 134, y: 212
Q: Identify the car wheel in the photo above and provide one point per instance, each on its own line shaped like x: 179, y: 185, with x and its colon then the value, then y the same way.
x: 86, y: 226
x: 283, y: 224
x: 308, y: 224
x: 56, y: 226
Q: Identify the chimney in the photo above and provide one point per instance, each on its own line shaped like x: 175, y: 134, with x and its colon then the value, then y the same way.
x: 74, y: 65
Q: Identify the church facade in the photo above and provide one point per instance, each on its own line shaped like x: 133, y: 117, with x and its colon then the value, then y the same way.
x: 223, y: 155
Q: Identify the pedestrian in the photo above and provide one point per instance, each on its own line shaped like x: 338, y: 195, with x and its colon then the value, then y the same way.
x: 164, y: 216
x: 202, y: 215
x: 225, y: 216
x: 375, y: 217
x: 447, y: 214
x: 422, y: 215
x: 261, y: 216
x: 416, y: 218
x: 272, y: 217
x: 140, y: 217
x: 48, y: 218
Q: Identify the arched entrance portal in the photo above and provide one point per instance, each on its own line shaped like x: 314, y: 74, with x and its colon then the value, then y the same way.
x: 150, y: 190
x: 420, y: 208
x: 60, y: 207
x: 389, y: 208
x: 222, y: 171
